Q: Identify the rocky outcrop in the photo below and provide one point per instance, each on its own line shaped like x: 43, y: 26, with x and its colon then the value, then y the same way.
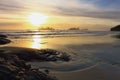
x: 41, y: 55
x: 3, y: 39
x: 13, y: 68
x: 116, y: 28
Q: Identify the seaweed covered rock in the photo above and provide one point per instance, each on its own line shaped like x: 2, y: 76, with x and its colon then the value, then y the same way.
x: 53, y: 55
x: 13, y: 68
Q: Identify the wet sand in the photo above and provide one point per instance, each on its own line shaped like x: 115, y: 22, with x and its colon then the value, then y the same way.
x: 95, y: 56
x: 98, y: 72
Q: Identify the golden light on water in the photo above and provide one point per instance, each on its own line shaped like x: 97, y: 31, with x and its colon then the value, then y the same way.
x: 36, y: 42
x: 36, y: 19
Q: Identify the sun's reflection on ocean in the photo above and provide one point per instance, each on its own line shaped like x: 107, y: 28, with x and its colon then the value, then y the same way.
x: 36, y: 42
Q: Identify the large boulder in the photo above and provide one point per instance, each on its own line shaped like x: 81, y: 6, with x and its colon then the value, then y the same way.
x: 116, y: 28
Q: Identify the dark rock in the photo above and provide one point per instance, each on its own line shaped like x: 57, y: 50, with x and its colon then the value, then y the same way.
x: 53, y: 55
x: 3, y: 36
x: 117, y: 36
x: 4, y: 41
x: 65, y: 57
x: 28, y: 55
x: 116, y: 28
x: 5, y: 56
x: 47, y: 71
x: 42, y: 55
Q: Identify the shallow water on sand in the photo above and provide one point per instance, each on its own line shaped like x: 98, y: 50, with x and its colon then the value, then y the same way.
x: 87, y: 48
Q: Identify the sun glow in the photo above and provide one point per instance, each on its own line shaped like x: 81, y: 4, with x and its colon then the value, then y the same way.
x: 37, y: 19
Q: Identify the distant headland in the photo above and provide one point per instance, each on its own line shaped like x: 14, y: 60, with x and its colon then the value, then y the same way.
x: 116, y: 28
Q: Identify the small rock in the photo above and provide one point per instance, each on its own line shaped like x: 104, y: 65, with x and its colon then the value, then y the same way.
x: 4, y: 41
x: 3, y: 36
x: 47, y: 71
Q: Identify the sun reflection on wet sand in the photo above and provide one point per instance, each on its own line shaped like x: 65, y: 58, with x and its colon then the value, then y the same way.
x: 36, y: 42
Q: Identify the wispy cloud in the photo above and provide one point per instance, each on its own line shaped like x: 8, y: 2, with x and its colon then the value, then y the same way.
x: 16, y: 9
x: 88, y: 8
x: 11, y: 6
x: 107, y: 9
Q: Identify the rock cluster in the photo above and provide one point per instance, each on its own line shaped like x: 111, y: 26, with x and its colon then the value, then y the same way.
x: 13, y: 68
x: 41, y: 55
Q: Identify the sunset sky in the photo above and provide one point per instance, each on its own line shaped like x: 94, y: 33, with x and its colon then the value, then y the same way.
x: 62, y: 14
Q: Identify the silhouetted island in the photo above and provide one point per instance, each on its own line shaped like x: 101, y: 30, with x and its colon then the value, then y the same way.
x: 46, y: 28
x: 116, y: 28
x: 74, y: 28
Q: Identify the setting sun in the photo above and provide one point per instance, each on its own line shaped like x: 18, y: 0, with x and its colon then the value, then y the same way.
x: 37, y: 19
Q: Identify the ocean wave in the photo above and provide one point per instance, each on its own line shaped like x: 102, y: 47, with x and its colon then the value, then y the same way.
x: 55, y: 33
